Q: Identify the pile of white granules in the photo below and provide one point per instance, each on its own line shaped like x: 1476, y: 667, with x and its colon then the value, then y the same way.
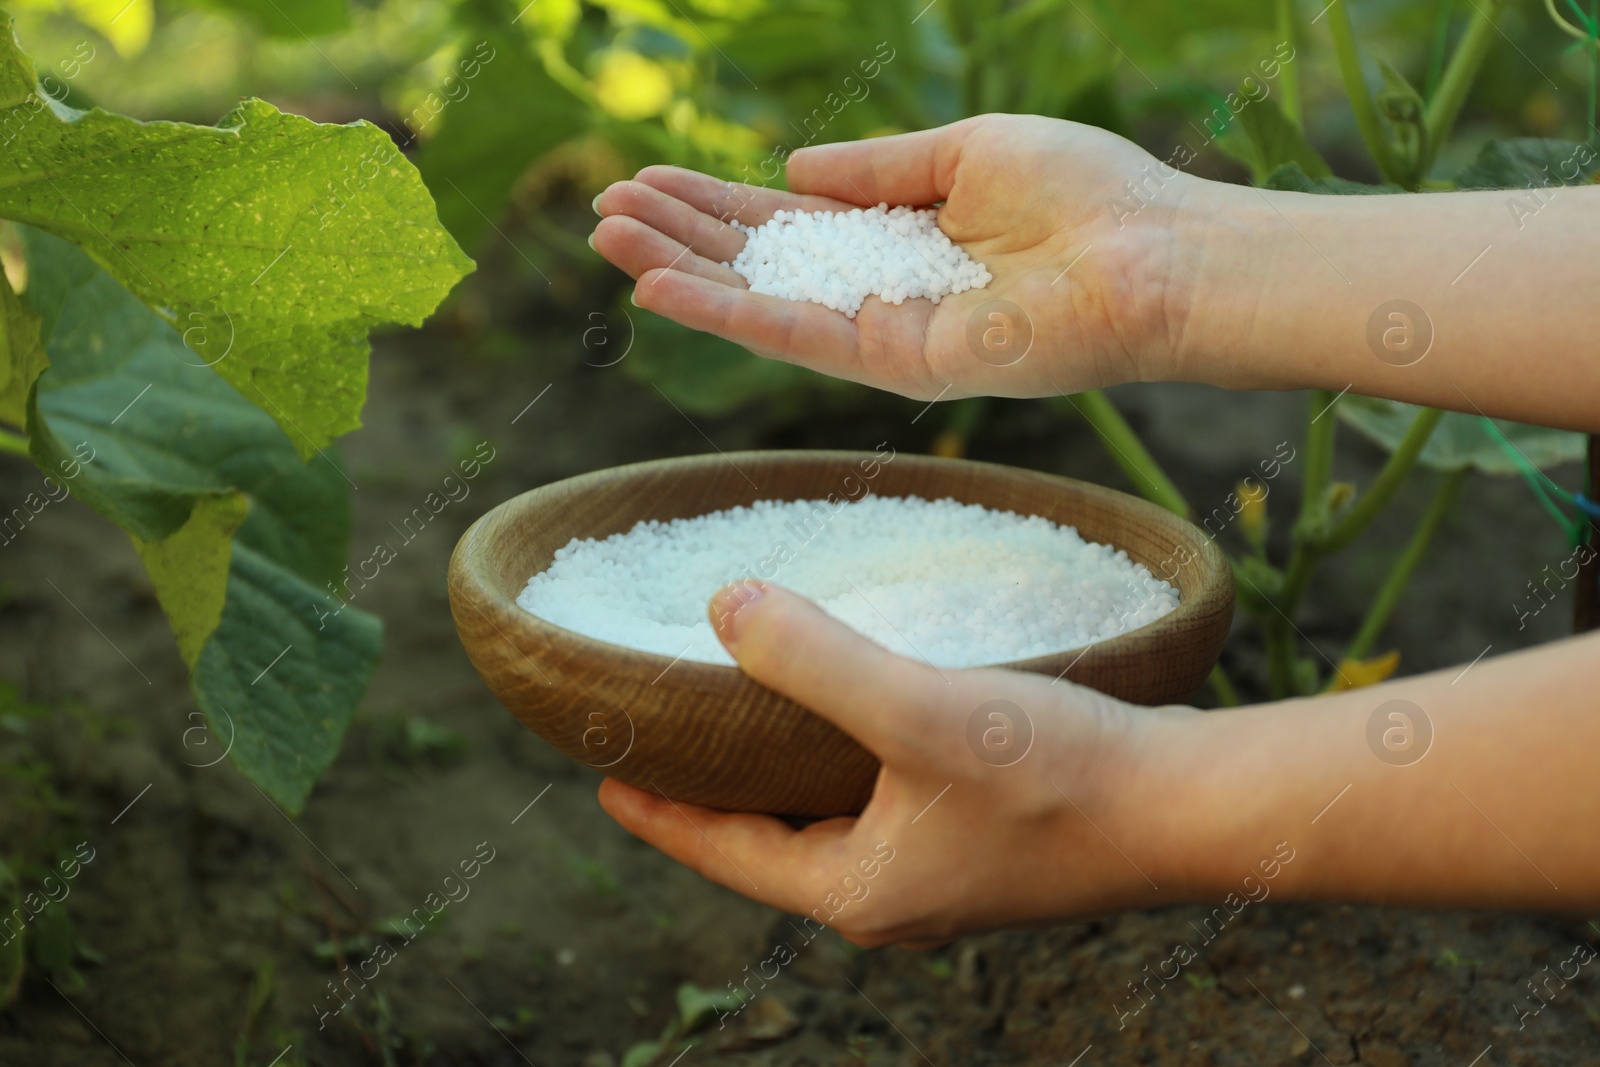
x: 838, y: 259
x: 957, y: 585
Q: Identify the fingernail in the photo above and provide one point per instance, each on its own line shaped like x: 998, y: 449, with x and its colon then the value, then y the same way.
x: 728, y: 605
x: 595, y: 203
x: 592, y: 248
x: 633, y: 296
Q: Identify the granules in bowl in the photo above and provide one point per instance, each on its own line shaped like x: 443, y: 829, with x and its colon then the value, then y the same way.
x: 956, y: 585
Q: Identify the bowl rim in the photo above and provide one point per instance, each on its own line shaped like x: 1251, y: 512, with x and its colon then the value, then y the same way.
x: 551, y: 636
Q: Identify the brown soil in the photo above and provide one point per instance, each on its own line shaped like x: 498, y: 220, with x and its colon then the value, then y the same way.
x: 575, y: 937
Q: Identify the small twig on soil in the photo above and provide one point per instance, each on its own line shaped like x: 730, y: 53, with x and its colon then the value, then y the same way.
x: 328, y: 918
x: 351, y: 909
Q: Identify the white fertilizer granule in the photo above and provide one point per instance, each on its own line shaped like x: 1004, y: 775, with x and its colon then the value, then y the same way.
x: 957, y: 585
x: 839, y: 258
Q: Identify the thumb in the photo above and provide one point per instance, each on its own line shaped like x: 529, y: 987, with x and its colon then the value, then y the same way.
x: 905, y: 168
x: 790, y: 645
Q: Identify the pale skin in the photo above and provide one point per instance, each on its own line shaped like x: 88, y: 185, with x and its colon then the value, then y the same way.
x: 1116, y: 806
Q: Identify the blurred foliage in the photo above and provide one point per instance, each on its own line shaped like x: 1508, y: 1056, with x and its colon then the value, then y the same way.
x: 494, y: 95
x: 515, y: 112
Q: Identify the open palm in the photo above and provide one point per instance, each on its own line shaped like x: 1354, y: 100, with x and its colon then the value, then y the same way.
x: 1079, y: 297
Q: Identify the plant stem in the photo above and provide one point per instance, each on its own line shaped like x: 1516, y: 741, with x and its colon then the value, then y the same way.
x: 1383, y: 488
x: 15, y: 443
x: 1441, y: 34
x: 1355, y: 87
x: 1394, y: 584
x: 1445, y: 105
x: 1319, y: 452
x: 1222, y: 687
x: 1291, y: 75
x: 1312, y: 541
x: 1280, y: 656
x: 1128, y: 451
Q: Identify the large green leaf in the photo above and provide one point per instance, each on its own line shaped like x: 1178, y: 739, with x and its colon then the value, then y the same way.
x: 183, y: 461
x: 276, y: 243
x: 17, y: 82
x: 1530, y: 161
x: 1262, y: 137
x: 514, y: 113
x: 1460, y: 440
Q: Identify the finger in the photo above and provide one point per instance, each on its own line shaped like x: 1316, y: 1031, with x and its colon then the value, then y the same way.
x: 636, y: 248
x: 906, y: 168
x: 708, y: 236
x: 798, y: 332
x: 787, y: 643
x: 757, y: 855
x: 750, y: 204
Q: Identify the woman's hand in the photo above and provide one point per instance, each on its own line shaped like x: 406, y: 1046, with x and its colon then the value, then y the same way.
x: 1046, y: 205
x: 1004, y: 799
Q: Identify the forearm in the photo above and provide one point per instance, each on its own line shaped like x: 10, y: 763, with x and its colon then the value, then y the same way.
x: 1281, y: 289
x: 1503, y: 809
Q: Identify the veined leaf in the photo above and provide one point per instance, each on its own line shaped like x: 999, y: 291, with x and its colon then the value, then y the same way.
x: 1263, y: 138
x: 1460, y: 440
x: 177, y: 457
x: 1530, y: 162
x: 1292, y: 178
x: 275, y: 242
x: 190, y: 569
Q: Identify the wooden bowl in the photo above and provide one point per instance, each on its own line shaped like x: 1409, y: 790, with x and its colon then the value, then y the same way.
x: 707, y: 733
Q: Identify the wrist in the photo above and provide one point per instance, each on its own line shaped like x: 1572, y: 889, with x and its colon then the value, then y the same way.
x: 1220, y: 787
x: 1217, y: 261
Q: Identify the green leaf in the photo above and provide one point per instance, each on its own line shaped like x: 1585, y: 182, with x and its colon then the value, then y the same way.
x: 169, y: 450
x: 1292, y: 178
x: 190, y: 569
x: 698, y: 1006
x: 1460, y: 440
x: 292, y: 18
x: 514, y: 113
x: 642, y: 1054
x: 1158, y: 27
x: 17, y: 78
x: 1264, y: 139
x: 276, y: 243
x: 21, y: 355
x: 1530, y: 161
x: 287, y: 682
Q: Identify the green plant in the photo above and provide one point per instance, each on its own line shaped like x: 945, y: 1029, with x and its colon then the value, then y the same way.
x: 1404, y: 130
x: 971, y: 56
x: 185, y: 321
